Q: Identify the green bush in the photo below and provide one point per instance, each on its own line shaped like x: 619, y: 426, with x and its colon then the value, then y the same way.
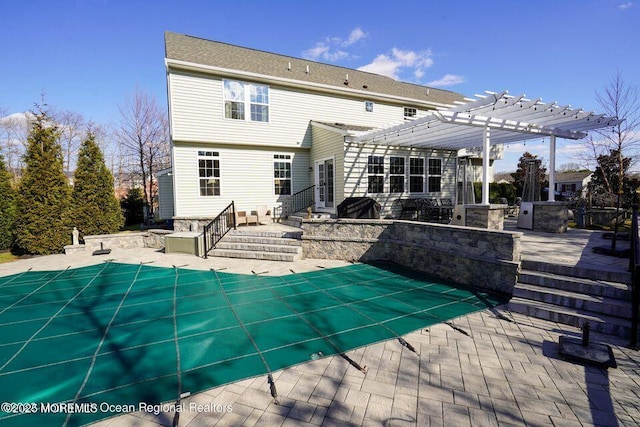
x: 133, y: 206
x: 496, y: 191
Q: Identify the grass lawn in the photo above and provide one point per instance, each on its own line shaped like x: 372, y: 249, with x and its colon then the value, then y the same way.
x: 7, y: 256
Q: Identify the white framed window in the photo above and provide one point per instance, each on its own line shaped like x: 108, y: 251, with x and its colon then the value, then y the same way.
x: 368, y: 106
x: 410, y: 112
x: 434, y: 175
x: 375, y: 174
x: 282, y: 174
x: 246, y: 101
x: 396, y: 174
x: 209, y: 173
x: 416, y: 175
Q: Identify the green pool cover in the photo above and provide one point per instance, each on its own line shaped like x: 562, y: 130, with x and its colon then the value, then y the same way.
x: 110, y: 334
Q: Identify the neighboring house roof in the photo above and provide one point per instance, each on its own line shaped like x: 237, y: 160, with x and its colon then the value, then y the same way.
x: 223, y: 56
x: 572, y: 176
x: 503, y: 176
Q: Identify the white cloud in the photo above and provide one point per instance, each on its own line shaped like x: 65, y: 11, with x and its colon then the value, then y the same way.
x: 329, y: 49
x: 625, y: 6
x: 398, y: 60
x: 356, y: 35
x: 447, y: 80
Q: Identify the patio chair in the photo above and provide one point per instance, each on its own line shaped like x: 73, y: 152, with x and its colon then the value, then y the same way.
x: 241, y: 218
x: 428, y: 209
x: 264, y: 215
x: 252, y: 218
x: 408, y: 207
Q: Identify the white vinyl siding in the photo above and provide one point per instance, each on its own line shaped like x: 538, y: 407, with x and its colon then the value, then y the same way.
x: 248, y: 187
x: 197, y: 109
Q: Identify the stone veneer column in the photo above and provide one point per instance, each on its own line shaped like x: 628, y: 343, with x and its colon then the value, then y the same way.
x: 551, y: 217
x: 490, y: 217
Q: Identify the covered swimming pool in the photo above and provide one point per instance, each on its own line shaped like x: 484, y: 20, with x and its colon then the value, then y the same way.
x: 124, y: 334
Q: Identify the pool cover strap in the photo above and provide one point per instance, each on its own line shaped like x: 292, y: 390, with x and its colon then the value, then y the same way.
x: 272, y: 384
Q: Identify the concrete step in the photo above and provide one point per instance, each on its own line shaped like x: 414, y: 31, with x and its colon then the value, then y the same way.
x: 601, y: 274
x: 259, y: 240
x: 259, y: 247
x: 586, y: 286
x: 262, y: 244
x: 269, y: 256
x: 254, y: 232
x: 571, y: 316
x: 575, y: 300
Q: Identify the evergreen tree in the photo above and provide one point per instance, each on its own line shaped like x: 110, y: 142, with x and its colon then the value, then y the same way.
x: 520, y: 174
x: 95, y: 207
x: 44, y: 195
x: 7, y: 207
x: 133, y: 206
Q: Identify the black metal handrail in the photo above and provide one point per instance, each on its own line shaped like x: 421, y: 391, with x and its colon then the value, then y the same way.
x: 296, y: 202
x: 216, y: 229
x: 634, y: 264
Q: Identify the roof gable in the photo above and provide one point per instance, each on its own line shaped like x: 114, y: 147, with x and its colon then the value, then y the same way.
x: 209, y: 53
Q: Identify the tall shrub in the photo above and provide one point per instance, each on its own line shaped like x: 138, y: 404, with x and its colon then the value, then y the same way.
x: 7, y: 207
x: 95, y: 209
x: 133, y: 206
x: 44, y: 195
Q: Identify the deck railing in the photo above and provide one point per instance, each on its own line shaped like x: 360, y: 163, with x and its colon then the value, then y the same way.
x: 634, y: 264
x: 295, y: 203
x: 216, y: 229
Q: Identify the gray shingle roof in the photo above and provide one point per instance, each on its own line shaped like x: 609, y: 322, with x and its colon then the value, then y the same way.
x: 211, y: 53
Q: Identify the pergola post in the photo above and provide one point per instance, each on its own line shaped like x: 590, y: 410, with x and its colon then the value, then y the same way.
x: 486, y: 153
x: 552, y: 167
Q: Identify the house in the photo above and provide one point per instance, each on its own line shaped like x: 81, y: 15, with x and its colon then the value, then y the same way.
x: 570, y: 184
x: 255, y: 128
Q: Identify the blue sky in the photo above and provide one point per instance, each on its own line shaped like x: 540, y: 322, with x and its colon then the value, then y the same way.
x: 88, y: 55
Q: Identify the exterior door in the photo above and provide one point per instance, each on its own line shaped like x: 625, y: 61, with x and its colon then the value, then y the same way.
x: 325, y: 192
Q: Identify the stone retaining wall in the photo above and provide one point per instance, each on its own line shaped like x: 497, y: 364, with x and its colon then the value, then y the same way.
x: 482, y: 258
x: 144, y: 239
x: 190, y: 224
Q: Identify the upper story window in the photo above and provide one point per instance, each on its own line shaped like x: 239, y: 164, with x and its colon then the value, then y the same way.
x: 209, y: 173
x: 410, y: 112
x: 368, y: 106
x: 246, y: 101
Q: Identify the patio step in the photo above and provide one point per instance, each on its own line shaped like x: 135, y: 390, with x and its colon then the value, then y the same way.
x: 264, y: 245
x: 572, y: 296
x: 600, y: 323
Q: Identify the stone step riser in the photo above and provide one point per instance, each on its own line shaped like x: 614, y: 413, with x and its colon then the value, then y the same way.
x: 586, y: 286
x: 267, y: 256
x: 579, y: 272
x: 573, y: 319
x: 249, y: 247
x: 262, y: 240
x: 596, y: 305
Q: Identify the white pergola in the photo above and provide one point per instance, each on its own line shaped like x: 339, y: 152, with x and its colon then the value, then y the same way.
x: 491, y: 119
